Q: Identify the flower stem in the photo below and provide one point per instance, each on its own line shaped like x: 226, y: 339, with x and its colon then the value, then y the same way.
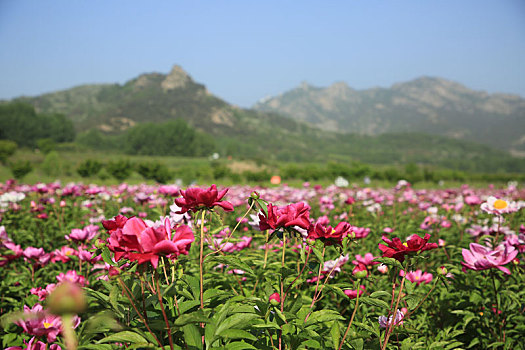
x: 69, y: 333
x: 391, y: 325
x: 163, y: 311
x: 353, y: 315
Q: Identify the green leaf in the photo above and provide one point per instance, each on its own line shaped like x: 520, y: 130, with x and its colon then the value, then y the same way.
x: 374, y: 302
x: 124, y: 336
x: 233, y: 262
x: 318, y: 255
x: 390, y: 262
x: 192, y: 336
x: 194, y: 317
x: 239, y: 345
x: 106, y: 256
x: 335, y: 332
x: 357, y: 344
x: 235, y: 320
x: 324, y: 316
x: 379, y: 294
x: 237, y: 334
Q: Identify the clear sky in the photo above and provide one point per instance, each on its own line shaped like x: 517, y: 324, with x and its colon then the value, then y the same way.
x: 244, y: 50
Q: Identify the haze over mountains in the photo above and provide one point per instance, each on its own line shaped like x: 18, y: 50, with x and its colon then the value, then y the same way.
x: 381, y: 126
x: 429, y: 105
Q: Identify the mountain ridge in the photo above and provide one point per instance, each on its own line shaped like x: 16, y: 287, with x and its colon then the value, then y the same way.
x: 425, y: 104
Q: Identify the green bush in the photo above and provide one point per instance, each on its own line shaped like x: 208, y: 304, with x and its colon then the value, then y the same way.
x: 52, y: 166
x: 120, y: 169
x: 155, y: 171
x: 20, y: 168
x: 46, y: 145
x: 7, y: 149
x: 89, y: 167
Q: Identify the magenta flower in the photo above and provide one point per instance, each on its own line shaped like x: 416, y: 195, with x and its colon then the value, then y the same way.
x: 39, y: 323
x: 483, y: 258
x: 198, y: 198
x: 73, y: 277
x: 417, y: 276
x: 137, y: 241
x: 352, y: 293
x: 363, y: 263
x: 327, y: 234
x: 83, y: 235
x: 293, y: 215
x: 397, y: 250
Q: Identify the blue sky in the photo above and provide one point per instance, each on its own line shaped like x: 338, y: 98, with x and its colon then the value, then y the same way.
x: 245, y: 50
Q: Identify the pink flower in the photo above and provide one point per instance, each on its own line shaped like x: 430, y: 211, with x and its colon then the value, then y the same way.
x: 384, y: 322
x: 39, y: 323
x: 363, y: 263
x: 229, y: 247
x: 36, y: 254
x: 483, y: 258
x: 35, y: 344
x: 197, y: 198
x: 352, y: 294
x: 63, y: 254
x: 137, y: 241
x: 42, y: 293
x: 83, y: 235
x: 417, y: 276
x: 73, y: 277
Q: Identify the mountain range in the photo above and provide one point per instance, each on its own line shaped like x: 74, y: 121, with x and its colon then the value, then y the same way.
x: 429, y: 105
x: 379, y: 125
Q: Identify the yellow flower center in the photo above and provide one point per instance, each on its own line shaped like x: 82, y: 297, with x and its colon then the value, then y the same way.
x: 405, y: 244
x: 47, y: 325
x: 68, y: 252
x: 500, y: 204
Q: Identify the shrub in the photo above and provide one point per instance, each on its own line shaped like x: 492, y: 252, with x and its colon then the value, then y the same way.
x: 89, y: 167
x: 52, y: 166
x: 155, y: 171
x: 120, y: 169
x: 20, y: 168
x: 46, y: 145
x: 7, y: 149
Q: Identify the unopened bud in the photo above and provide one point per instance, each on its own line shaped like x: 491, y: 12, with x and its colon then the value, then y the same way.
x: 442, y: 270
x: 361, y: 274
x: 275, y: 299
x: 66, y: 298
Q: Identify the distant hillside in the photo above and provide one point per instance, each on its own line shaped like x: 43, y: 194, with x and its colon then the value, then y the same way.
x: 428, y: 105
x: 112, y: 109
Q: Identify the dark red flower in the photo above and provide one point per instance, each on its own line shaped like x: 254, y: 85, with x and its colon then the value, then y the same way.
x: 295, y: 214
x: 327, y: 234
x: 397, y: 250
x: 198, y: 198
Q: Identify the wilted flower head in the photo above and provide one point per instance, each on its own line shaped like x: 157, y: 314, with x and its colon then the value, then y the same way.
x: 385, y: 322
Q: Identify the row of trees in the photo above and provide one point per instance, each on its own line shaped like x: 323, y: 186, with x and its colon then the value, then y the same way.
x: 20, y: 123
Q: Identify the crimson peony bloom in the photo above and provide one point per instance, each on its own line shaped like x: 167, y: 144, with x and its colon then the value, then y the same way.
x: 198, y: 198
x: 137, y: 241
x: 397, y: 250
x: 483, y: 258
x: 329, y: 235
x: 295, y: 215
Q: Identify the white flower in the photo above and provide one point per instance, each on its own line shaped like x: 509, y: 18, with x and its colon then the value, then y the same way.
x: 341, y: 182
x: 498, y: 206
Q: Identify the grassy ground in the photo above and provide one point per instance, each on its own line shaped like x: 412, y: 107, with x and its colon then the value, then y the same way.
x: 189, y: 170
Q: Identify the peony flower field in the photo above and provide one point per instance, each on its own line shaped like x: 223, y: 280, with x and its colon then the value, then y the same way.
x: 210, y: 267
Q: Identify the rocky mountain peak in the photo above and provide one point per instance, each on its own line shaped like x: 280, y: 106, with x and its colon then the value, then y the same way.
x: 177, y: 78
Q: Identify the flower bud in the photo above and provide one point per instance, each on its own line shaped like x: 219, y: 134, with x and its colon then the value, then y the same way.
x: 66, y: 298
x: 442, y: 270
x: 100, y: 244
x: 361, y: 274
x: 275, y: 299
